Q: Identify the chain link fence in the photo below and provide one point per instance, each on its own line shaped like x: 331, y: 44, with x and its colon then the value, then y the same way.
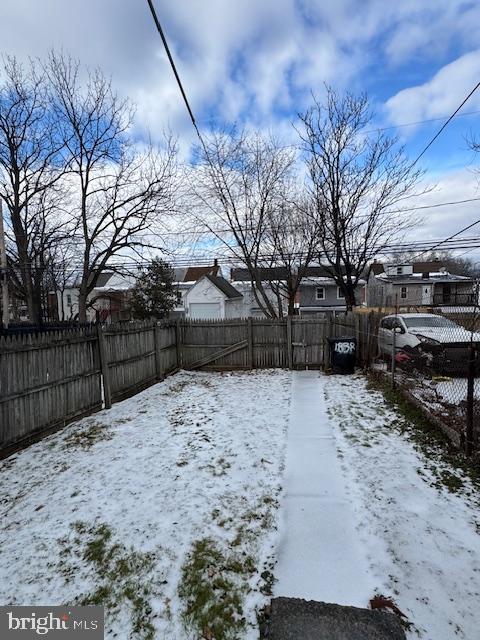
x: 434, y: 356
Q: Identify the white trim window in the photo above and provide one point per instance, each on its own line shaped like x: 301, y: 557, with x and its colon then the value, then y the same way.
x: 340, y: 294
x: 320, y: 293
x: 404, y: 293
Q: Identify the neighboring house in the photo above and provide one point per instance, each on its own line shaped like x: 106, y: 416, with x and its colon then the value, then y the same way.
x: 185, y: 278
x: 108, y: 302
x: 418, y: 284
x: 213, y: 297
x: 241, y: 279
x: 318, y: 292
x: 67, y: 303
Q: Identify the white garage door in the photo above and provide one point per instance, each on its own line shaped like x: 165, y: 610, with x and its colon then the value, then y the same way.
x: 205, y: 310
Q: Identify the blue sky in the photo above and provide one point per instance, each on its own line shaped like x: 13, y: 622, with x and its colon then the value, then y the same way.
x: 256, y: 61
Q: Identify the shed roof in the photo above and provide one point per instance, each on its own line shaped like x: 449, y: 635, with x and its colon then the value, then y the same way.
x: 224, y: 286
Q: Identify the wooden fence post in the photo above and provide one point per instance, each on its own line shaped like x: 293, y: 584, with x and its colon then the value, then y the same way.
x: 158, y: 361
x: 178, y: 342
x: 107, y: 396
x: 470, y: 401
x: 250, y: 343
x: 289, y: 342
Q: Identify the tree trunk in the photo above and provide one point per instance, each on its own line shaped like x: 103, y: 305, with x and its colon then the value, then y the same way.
x: 350, y: 300
x: 291, y: 304
x: 82, y: 306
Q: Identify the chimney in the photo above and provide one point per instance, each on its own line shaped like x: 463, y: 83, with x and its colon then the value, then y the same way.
x: 215, y: 263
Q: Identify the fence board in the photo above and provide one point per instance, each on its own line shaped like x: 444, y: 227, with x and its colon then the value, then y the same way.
x: 50, y: 379
x: 46, y: 381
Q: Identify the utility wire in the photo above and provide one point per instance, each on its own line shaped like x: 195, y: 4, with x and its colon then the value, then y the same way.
x: 418, y: 122
x: 445, y: 124
x: 174, y: 68
x: 448, y: 239
x: 428, y: 146
x: 206, y: 258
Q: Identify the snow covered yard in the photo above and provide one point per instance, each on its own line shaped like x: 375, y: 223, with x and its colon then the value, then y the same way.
x: 417, y: 515
x: 164, y: 508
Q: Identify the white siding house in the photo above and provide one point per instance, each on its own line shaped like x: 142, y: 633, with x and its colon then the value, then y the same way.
x: 213, y: 297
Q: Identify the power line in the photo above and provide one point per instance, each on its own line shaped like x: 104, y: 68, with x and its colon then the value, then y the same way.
x: 206, y: 259
x: 174, y: 68
x: 418, y: 122
x: 213, y: 230
x: 464, y: 101
x: 448, y: 239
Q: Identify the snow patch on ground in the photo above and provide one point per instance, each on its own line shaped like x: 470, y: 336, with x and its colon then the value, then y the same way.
x: 421, y: 539
x: 197, y: 457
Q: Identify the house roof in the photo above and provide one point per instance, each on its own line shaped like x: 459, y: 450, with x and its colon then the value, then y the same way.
x: 224, y: 286
x: 103, y: 278
x: 431, y: 266
x: 317, y: 272
x: 265, y: 273
x: 195, y: 273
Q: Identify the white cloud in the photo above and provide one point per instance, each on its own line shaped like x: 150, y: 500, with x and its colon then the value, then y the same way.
x: 442, y: 222
x: 245, y: 59
x: 440, y: 95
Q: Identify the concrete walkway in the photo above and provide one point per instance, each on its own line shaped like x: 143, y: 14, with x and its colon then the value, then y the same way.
x: 319, y: 556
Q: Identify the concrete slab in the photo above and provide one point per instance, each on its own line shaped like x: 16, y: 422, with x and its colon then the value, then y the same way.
x: 293, y: 619
x: 319, y: 556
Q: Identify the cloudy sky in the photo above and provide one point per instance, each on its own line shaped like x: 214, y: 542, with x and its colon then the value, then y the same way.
x: 257, y: 61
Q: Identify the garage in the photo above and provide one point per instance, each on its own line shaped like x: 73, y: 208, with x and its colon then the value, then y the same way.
x: 201, y: 310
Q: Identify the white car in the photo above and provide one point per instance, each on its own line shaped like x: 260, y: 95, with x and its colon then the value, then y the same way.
x: 436, y: 340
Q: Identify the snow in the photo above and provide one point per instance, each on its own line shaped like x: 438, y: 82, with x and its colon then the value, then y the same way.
x: 363, y: 509
x: 175, y: 453
x: 319, y: 555
x: 421, y: 540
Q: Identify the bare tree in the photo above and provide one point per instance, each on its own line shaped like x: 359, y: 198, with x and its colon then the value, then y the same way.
x: 31, y: 165
x: 117, y: 192
x: 243, y: 185
x: 292, y: 240
x: 356, y: 178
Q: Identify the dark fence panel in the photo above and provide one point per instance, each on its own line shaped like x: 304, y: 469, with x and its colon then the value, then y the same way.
x: 47, y: 380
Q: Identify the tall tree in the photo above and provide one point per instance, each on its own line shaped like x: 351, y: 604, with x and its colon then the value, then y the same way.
x: 31, y: 165
x: 118, y: 193
x: 358, y: 181
x: 244, y: 186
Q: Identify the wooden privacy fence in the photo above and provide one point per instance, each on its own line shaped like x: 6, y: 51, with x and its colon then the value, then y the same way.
x: 50, y: 379
x: 252, y: 343
x: 46, y: 381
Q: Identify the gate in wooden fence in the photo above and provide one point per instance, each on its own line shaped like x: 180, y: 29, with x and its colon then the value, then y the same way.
x: 252, y: 343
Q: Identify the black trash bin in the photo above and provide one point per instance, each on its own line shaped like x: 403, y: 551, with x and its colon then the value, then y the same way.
x: 343, y: 354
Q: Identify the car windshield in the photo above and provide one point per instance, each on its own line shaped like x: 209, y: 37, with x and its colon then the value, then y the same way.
x: 432, y: 321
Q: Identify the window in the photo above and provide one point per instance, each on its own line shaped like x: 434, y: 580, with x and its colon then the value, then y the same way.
x: 399, y: 271
x: 69, y: 299
x: 403, y: 292
x: 386, y: 323
x: 179, y: 297
x: 429, y: 321
x: 320, y: 293
x: 340, y: 294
